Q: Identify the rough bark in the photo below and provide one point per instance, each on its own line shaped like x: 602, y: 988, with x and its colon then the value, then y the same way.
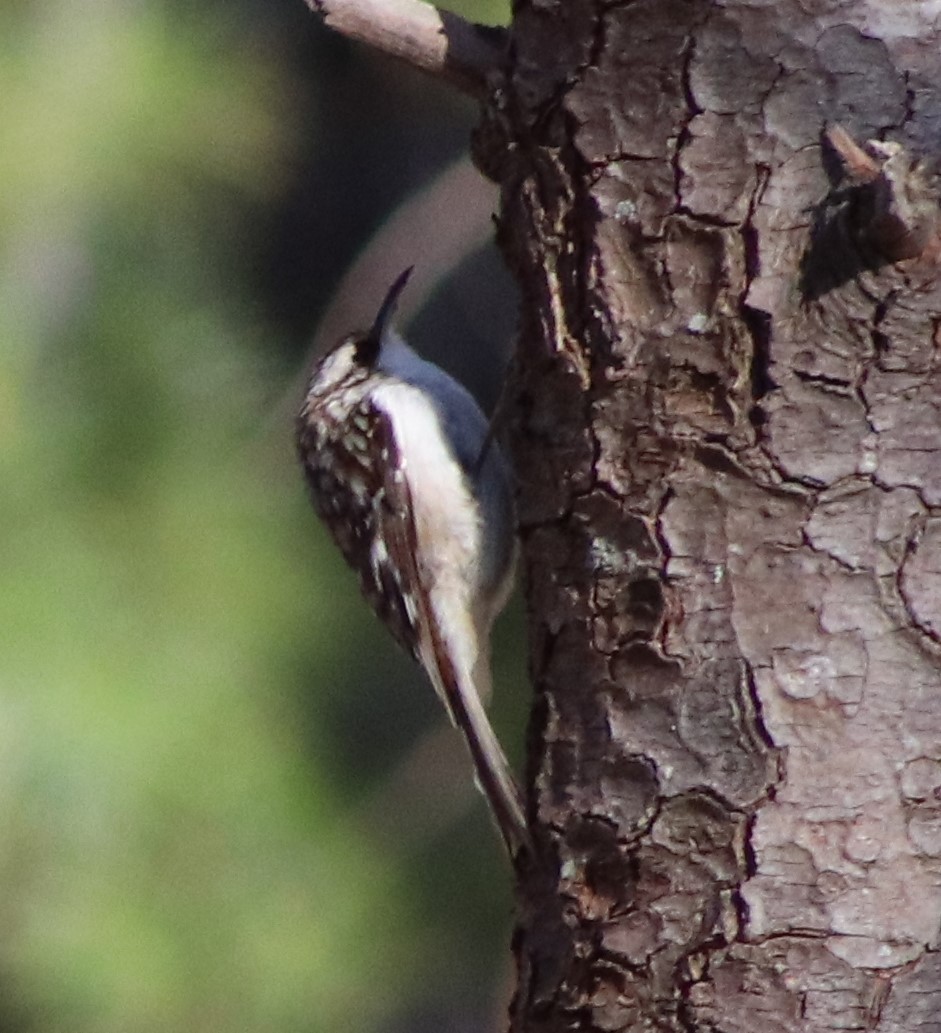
x: 729, y: 448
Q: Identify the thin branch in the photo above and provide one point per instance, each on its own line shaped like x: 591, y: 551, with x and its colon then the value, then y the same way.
x: 437, y: 42
x: 899, y: 212
x: 860, y: 166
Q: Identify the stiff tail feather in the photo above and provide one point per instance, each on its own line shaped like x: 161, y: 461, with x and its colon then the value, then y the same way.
x: 492, y: 770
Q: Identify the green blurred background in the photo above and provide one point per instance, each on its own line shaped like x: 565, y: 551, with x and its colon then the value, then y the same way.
x: 227, y: 802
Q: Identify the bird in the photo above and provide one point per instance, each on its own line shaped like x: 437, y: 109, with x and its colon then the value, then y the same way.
x: 402, y: 470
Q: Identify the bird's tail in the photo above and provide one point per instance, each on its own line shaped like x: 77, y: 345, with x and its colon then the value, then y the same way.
x: 462, y: 695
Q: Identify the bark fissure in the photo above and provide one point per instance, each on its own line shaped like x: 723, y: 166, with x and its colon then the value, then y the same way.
x: 757, y: 321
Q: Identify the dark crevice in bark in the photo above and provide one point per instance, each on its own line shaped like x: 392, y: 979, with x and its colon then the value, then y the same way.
x: 685, y: 1012
x: 751, y: 862
x: 758, y: 718
x: 598, y: 41
x: 802, y: 1006
x: 663, y: 544
x: 757, y: 322
x: 808, y: 543
x: 706, y: 219
x: 909, y: 113
x: 912, y: 545
x: 716, y: 454
x: 692, y: 110
x: 835, y: 385
x: 760, y: 379
x: 881, y: 342
x: 740, y: 903
x: 794, y: 933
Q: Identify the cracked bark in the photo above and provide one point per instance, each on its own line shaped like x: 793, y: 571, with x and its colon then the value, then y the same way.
x: 727, y: 435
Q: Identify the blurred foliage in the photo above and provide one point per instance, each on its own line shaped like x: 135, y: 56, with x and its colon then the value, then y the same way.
x: 177, y: 792
x: 487, y: 12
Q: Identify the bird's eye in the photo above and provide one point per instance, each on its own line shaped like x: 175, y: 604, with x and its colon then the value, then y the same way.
x: 366, y: 350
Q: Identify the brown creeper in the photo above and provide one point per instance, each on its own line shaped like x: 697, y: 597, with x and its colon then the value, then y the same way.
x: 394, y: 453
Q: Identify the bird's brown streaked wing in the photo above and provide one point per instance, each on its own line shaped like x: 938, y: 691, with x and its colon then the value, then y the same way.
x: 396, y: 528
x: 354, y: 472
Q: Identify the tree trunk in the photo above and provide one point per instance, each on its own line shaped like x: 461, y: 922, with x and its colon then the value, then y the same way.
x: 729, y: 450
